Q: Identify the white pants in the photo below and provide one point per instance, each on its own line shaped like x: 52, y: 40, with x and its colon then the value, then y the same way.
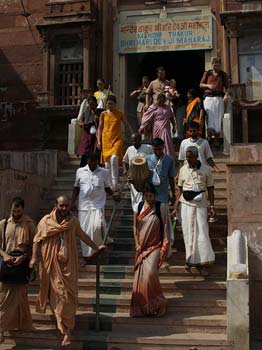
x: 112, y: 165
x: 92, y: 221
x: 195, y: 228
x: 214, y: 107
x: 136, y: 197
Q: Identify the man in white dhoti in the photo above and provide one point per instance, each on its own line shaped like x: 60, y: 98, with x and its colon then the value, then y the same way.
x: 137, y: 149
x: 193, y: 182
x: 215, y: 83
x: 91, y: 184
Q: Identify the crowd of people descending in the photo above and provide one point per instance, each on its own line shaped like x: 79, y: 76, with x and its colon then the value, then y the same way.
x: 52, y: 244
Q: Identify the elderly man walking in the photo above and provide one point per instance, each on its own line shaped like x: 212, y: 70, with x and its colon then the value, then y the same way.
x: 58, y: 271
x: 195, y: 179
x: 16, y: 234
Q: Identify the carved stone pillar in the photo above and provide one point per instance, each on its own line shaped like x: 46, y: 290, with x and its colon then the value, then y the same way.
x: 232, y: 29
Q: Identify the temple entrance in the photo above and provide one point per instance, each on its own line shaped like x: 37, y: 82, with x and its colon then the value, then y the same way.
x: 186, y: 67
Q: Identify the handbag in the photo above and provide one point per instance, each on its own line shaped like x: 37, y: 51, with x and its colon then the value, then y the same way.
x: 20, y: 274
x: 155, y: 178
x: 193, y: 195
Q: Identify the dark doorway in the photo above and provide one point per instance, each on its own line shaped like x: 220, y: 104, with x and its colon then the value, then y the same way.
x: 186, y: 67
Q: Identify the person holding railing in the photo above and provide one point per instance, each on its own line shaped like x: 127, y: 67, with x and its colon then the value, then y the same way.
x: 91, y: 185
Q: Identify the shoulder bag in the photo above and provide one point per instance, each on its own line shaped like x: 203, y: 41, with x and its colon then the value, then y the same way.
x: 20, y: 274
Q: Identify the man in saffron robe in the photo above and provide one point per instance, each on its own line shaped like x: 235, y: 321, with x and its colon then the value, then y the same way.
x: 14, y: 306
x: 58, y: 271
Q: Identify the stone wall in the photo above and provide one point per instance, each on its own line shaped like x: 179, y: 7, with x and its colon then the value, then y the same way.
x: 21, y: 50
x: 245, y: 214
x: 28, y: 186
x: 43, y: 163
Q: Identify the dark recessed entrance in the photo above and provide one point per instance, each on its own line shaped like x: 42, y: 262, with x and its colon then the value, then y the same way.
x: 186, y: 67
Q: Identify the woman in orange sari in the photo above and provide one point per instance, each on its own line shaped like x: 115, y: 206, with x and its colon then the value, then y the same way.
x: 194, y: 112
x: 110, y: 139
x: 151, y: 246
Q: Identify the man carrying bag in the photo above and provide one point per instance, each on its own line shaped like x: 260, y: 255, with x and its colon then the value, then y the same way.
x: 16, y: 239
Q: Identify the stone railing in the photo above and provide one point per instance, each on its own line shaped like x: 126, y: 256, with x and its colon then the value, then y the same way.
x: 237, y: 291
x: 74, y: 136
x: 43, y: 163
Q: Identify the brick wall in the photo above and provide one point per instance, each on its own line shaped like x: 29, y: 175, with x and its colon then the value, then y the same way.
x: 20, y: 55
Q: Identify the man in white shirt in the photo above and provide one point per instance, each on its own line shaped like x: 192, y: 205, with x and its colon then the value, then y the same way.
x: 195, y: 188
x: 205, y: 155
x: 91, y: 184
x: 137, y: 149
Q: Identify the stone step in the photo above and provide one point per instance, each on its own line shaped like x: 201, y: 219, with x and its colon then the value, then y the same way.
x: 182, y: 285
x: 218, y: 243
x: 166, y: 271
x: 175, y: 341
x: 174, y: 322
x: 47, y: 338
x: 127, y: 257
x: 210, y: 304
x: 170, y: 319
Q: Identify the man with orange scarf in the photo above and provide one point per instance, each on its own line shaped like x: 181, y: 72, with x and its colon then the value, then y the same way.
x: 58, y: 270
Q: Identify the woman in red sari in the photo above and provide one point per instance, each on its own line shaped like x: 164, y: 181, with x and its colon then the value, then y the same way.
x: 151, y: 246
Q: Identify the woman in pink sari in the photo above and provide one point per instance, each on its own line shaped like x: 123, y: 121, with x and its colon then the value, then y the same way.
x: 151, y: 246
x: 157, y: 121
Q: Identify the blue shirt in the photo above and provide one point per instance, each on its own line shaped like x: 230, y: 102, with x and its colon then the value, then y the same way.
x: 166, y: 170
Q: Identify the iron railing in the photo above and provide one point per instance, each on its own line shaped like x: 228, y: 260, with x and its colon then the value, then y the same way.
x: 99, y: 257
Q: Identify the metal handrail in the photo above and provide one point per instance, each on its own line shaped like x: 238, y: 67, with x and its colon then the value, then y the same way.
x: 98, y: 260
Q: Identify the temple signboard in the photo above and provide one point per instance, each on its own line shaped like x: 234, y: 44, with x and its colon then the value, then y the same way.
x: 183, y: 33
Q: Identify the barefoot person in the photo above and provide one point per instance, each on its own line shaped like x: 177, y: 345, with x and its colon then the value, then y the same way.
x: 92, y: 184
x: 151, y: 246
x: 18, y: 231
x: 195, y: 179
x: 58, y: 271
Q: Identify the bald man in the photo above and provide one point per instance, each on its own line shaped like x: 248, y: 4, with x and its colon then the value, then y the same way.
x: 58, y: 271
x: 137, y: 149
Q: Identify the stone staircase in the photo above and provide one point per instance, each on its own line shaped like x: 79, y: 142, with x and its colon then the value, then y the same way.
x: 196, y: 317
